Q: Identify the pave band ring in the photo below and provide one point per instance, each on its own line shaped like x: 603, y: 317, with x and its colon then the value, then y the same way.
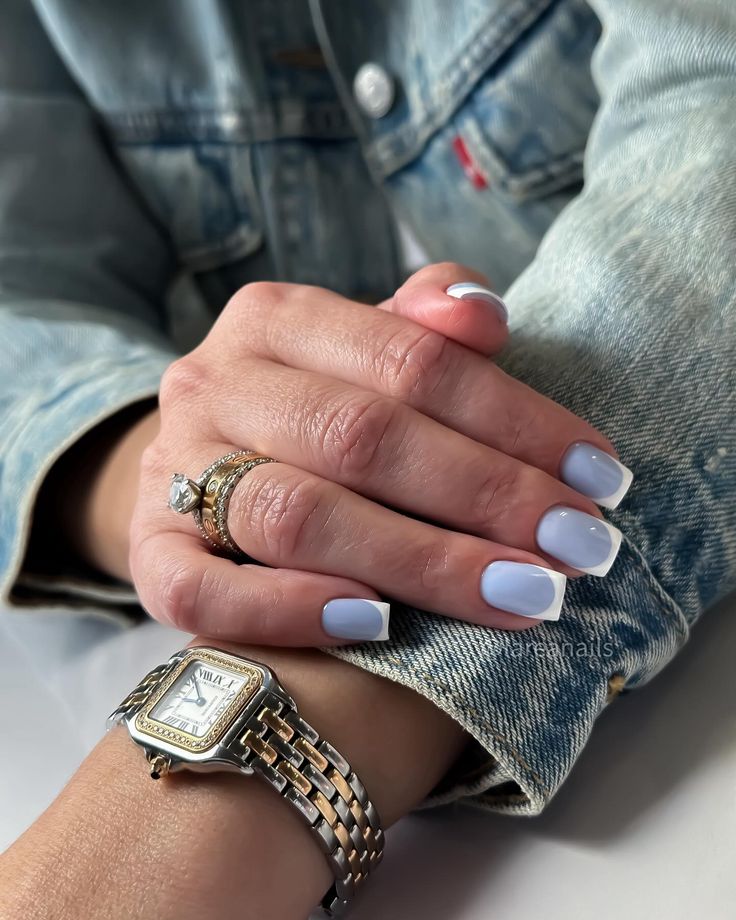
x: 208, y: 497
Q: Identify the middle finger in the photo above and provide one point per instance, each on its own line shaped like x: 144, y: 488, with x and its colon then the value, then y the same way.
x: 387, y: 451
x: 317, y: 330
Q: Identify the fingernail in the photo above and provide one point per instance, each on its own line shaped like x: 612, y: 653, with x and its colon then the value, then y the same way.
x: 356, y: 618
x: 595, y: 473
x: 525, y: 589
x: 469, y: 290
x: 579, y: 539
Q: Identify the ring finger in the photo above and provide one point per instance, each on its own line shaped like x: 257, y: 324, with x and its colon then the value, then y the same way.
x: 286, y: 517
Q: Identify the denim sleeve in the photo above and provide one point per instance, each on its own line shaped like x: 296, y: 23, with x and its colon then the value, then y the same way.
x: 627, y: 315
x: 83, y: 272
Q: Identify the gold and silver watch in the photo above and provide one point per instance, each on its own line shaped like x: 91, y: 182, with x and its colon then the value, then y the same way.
x: 205, y: 709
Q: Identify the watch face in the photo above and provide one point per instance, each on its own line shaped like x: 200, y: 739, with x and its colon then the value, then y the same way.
x: 197, y: 698
x: 197, y: 703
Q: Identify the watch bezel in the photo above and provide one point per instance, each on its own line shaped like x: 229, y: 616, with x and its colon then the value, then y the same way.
x: 183, y: 745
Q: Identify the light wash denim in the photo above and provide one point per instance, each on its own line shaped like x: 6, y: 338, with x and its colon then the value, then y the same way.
x: 582, y: 155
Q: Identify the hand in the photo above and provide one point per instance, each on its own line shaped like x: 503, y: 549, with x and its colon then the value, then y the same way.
x: 367, y: 411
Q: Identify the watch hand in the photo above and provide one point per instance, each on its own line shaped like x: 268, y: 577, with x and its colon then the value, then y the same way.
x: 200, y: 698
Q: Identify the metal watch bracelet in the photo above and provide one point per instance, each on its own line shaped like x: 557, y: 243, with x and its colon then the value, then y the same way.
x: 285, y: 751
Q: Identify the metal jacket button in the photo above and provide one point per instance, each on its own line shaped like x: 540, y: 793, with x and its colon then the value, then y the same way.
x: 373, y: 88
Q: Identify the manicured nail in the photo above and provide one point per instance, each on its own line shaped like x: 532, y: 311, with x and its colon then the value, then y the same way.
x: 595, y: 473
x: 469, y: 290
x: 356, y: 618
x: 579, y: 539
x: 525, y: 589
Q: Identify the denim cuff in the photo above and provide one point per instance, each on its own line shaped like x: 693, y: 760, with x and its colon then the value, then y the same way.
x: 530, y: 699
x: 39, y: 429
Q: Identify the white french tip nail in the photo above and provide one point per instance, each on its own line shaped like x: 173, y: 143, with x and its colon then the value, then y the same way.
x: 555, y: 608
x: 581, y: 540
x: 613, y: 501
x: 603, y: 568
x: 385, y: 611
x: 523, y: 588
x: 595, y: 473
x: 469, y: 290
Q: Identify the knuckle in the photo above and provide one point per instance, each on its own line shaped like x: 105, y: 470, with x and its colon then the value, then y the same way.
x: 499, y: 493
x: 351, y: 437
x: 253, y: 311
x: 255, y: 297
x: 281, y: 512
x: 524, y: 426
x: 430, y: 566
x: 413, y: 362
x: 184, y: 379
x: 170, y: 592
x: 150, y: 461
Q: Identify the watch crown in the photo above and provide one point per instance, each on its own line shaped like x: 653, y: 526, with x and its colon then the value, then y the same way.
x: 159, y: 765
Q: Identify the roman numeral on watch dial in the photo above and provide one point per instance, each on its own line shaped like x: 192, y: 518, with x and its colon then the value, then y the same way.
x: 175, y: 722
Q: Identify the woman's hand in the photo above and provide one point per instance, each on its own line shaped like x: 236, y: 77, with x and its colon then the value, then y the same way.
x: 366, y: 411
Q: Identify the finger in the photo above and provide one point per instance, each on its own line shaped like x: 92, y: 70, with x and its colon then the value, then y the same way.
x: 315, y: 330
x: 285, y: 516
x: 455, y: 301
x: 180, y: 583
x: 386, y: 451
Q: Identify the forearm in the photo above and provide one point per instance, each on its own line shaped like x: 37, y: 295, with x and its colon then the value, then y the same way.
x: 115, y: 844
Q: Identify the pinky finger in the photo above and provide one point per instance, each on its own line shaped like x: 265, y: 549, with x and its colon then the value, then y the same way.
x: 181, y: 584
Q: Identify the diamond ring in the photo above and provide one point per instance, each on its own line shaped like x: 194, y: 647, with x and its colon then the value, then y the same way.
x: 184, y: 494
x: 208, y: 497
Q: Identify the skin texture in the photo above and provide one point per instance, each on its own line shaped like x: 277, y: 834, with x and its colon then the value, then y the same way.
x: 407, y: 463
x: 117, y: 846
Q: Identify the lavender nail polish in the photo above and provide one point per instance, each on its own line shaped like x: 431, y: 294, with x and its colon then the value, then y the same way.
x: 356, y: 618
x: 582, y: 541
x: 524, y: 589
x: 592, y: 472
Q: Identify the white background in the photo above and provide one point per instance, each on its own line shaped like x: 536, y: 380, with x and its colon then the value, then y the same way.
x: 645, y: 827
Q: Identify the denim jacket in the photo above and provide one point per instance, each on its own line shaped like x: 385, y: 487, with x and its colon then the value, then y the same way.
x: 156, y: 156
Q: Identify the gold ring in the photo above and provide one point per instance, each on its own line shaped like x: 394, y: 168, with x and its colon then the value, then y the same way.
x: 208, y: 497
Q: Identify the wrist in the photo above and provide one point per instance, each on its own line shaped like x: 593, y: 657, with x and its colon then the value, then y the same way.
x: 97, y: 485
x: 210, y: 844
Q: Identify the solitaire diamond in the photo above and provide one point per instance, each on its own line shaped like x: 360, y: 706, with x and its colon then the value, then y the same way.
x: 184, y: 494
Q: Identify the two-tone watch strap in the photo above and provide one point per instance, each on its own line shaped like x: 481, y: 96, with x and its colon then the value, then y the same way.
x: 135, y: 699
x: 290, y: 755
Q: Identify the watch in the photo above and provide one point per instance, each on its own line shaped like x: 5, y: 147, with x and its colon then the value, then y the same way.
x: 206, y: 709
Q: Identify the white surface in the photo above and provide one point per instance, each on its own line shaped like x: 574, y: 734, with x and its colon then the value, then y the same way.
x: 644, y: 827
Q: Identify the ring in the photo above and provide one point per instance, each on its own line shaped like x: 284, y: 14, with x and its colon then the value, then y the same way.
x: 208, y: 497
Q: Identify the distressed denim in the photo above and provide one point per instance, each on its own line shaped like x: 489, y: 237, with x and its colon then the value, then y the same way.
x: 152, y: 150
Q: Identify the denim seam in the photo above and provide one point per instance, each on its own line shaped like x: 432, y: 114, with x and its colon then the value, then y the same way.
x: 482, y: 724
x: 479, y: 722
x: 388, y: 152
x: 229, y: 124
x: 558, y: 172
x: 124, y: 397
x: 667, y: 602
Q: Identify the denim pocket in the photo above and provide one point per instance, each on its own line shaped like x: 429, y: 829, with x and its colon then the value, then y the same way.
x: 204, y: 195
x: 526, y: 122
x: 498, y: 169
